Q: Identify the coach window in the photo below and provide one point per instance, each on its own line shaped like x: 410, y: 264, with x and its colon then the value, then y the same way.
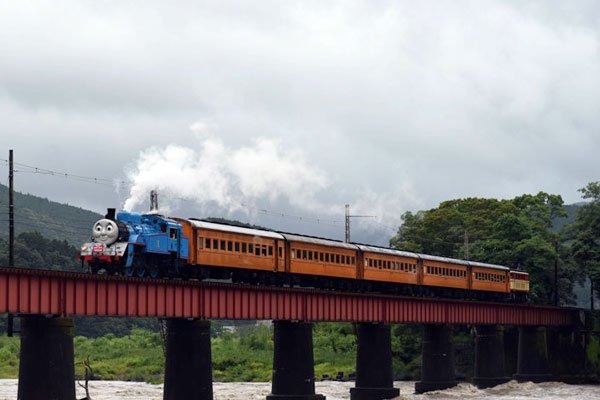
x: 201, y: 242
x: 270, y: 251
x: 264, y: 250
x: 244, y: 247
x: 321, y: 256
x: 353, y: 260
x: 173, y: 233
x: 250, y: 248
x: 237, y: 247
x: 257, y: 250
x: 310, y: 255
x: 293, y: 253
x: 229, y: 245
x: 280, y: 252
x: 223, y: 245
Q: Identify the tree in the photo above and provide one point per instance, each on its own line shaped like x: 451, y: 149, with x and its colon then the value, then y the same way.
x: 585, y: 233
x: 517, y: 233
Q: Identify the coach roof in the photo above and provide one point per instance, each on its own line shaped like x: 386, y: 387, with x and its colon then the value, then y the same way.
x: 234, y: 229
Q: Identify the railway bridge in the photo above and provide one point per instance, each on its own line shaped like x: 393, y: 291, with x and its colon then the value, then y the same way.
x: 47, y: 300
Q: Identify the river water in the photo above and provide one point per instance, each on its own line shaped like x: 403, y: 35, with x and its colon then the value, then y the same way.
x: 113, y: 390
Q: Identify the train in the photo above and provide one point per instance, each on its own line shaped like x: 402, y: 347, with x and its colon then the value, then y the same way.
x: 154, y: 246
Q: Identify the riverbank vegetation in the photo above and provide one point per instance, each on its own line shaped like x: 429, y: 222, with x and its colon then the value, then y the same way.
x: 242, y: 355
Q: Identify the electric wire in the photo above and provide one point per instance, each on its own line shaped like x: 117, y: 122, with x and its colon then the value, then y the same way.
x: 26, y: 168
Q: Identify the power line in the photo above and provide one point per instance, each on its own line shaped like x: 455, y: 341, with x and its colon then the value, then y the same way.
x: 316, y: 220
x: 26, y: 168
x: 281, y: 214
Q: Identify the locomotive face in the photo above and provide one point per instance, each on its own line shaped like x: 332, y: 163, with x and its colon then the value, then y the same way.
x: 105, y: 231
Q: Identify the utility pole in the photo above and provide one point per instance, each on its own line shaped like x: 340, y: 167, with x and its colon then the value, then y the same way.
x: 347, y: 236
x: 591, y: 293
x: 348, y: 216
x: 11, y: 211
x: 11, y: 231
x: 466, y: 251
x: 556, y: 274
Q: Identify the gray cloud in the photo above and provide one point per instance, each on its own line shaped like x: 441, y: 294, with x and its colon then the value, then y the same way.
x: 401, y: 104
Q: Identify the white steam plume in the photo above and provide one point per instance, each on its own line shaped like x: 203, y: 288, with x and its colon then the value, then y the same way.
x: 217, y: 175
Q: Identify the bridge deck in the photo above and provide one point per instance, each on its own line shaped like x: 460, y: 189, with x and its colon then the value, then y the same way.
x: 28, y: 291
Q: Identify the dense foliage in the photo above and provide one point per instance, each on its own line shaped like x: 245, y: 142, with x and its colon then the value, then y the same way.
x: 517, y: 233
x: 585, y: 234
x: 32, y: 250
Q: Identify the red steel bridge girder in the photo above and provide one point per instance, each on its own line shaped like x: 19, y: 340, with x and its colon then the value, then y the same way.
x: 28, y: 291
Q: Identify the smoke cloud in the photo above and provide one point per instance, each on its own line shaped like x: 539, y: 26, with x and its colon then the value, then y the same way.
x: 215, y: 175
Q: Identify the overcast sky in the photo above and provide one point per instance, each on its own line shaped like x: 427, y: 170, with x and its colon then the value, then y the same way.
x: 301, y: 107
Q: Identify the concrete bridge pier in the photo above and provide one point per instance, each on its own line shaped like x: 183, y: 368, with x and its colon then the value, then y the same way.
x: 188, y: 363
x: 532, y: 359
x: 489, y: 357
x: 567, y: 354
x: 437, y: 368
x: 46, y: 367
x: 374, y: 374
x: 293, y: 362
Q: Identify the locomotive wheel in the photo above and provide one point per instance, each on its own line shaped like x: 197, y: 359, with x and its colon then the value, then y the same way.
x: 140, y: 271
x: 153, y: 270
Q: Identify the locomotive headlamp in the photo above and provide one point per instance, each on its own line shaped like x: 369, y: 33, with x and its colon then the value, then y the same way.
x: 84, y: 247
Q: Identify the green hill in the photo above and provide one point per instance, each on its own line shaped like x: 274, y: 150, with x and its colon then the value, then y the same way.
x: 53, y: 220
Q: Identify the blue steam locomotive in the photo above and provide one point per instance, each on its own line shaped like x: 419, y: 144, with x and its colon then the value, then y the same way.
x: 135, y: 244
